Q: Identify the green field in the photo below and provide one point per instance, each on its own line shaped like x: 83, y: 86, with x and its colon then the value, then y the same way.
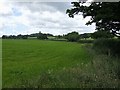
x: 56, y: 64
x: 27, y: 63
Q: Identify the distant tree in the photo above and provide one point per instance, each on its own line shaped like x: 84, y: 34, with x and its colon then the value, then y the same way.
x: 24, y: 36
x: 14, y: 37
x: 73, y: 36
x: 59, y: 36
x: 4, y: 37
x: 9, y: 37
x: 49, y: 34
x: 85, y: 35
x: 41, y: 36
x: 19, y: 36
x: 33, y: 35
x: 38, y: 35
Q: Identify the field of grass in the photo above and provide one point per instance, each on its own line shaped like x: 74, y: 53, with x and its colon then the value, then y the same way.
x: 55, y: 64
x: 30, y: 63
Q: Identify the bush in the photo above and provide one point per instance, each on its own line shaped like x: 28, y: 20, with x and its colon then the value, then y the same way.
x: 85, y: 41
x: 72, y: 37
x: 42, y: 36
x: 107, y: 46
x: 102, y: 34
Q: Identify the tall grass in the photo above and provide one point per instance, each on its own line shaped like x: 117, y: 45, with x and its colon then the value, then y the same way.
x: 102, y: 72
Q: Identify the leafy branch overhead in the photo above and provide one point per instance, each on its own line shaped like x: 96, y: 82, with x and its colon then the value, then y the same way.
x: 106, y: 15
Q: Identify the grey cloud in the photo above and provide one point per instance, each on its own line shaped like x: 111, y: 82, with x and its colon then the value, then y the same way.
x: 57, y: 22
x: 45, y: 6
x: 36, y: 6
x: 60, y: 6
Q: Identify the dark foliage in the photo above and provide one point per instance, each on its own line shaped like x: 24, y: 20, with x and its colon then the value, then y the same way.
x: 106, y: 15
x: 4, y: 37
x: 86, y: 41
x: 38, y: 35
x: 85, y: 35
x: 15, y: 37
x: 59, y: 36
x: 102, y: 34
x: 41, y: 36
x: 73, y: 36
x: 107, y: 46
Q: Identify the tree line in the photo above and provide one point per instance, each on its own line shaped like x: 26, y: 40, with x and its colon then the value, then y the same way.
x: 37, y: 35
x: 72, y: 36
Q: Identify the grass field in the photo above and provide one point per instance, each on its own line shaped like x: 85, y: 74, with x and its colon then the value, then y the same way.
x: 55, y: 64
x: 29, y: 63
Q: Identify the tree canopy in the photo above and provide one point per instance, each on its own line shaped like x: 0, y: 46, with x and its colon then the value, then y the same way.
x: 41, y: 36
x: 73, y: 36
x: 106, y: 15
x: 101, y: 34
x: 85, y: 35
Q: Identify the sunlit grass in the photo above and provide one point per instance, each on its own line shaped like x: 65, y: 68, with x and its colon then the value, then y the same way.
x: 26, y: 59
x: 54, y: 64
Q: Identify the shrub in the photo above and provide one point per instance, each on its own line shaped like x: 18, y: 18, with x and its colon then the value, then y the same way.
x: 85, y: 35
x: 85, y: 41
x: 42, y: 36
x: 102, y: 34
x: 72, y: 37
x: 107, y: 46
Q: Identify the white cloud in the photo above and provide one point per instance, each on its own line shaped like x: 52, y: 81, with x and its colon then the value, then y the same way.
x: 44, y: 17
x: 5, y: 8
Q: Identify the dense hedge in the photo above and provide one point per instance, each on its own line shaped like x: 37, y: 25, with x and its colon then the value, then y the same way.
x: 86, y: 41
x: 107, y: 46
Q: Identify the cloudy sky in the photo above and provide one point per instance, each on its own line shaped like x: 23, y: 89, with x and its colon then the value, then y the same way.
x: 47, y: 17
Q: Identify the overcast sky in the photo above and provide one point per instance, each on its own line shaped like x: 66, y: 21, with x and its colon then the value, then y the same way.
x: 47, y: 17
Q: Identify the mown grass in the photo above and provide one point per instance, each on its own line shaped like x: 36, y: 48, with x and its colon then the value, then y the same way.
x: 54, y: 64
x: 28, y: 63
